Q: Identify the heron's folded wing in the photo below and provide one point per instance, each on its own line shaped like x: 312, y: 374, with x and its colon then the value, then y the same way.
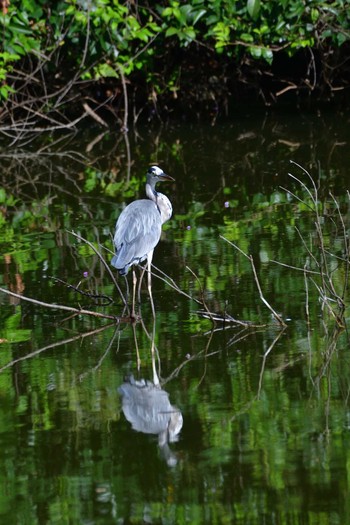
x: 138, y: 230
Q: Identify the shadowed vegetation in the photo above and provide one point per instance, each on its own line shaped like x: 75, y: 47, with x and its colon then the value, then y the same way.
x: 66, y: 61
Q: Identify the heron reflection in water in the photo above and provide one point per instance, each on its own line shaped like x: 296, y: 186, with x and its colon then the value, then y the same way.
x: 139, y: 228
x: 147, y: 407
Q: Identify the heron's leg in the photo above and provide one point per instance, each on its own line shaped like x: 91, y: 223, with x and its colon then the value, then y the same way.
x: 149, y: 281
x: 136, y: 346
x: 153, y: 354
x: 140, y: 283
x: 126, y: 299
x: 127, y: 288
x: 134, y: 282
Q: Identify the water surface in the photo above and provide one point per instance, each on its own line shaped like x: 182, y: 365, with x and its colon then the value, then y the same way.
x: 256, y: 422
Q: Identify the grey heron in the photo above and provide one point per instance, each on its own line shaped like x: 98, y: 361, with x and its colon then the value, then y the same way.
x: 139, y: 226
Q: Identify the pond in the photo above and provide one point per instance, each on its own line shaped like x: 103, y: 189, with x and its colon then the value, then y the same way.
x: 231, y: 404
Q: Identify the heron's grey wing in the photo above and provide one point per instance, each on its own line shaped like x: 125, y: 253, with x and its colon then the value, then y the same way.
x: 137, y: 232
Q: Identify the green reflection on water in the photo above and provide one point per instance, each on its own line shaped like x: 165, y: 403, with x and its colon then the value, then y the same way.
x: 262, y: 440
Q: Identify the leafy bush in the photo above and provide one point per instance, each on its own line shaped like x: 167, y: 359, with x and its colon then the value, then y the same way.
x: 50, y: 48
x: 258, y: 27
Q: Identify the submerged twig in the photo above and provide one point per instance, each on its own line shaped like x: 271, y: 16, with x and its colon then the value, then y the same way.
x: 264, y: 360
x: 53, y: 345
x: 99, y: 363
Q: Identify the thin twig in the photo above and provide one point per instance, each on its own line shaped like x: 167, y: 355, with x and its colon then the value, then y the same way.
x: 86, y: 294
x: 307, y: 311
x: 304, y: 270
x: 126, y: 103
x: 94, y: 115
x: 202, y: 295
x: 99, y: 363
x: 264, y: 360
x: 106, y: 265
x: 266, y: 303
x: 170, y: 282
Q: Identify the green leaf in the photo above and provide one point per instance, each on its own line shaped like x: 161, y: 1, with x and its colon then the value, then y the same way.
x: 246, y: 37
x: 198, y: 15
x: 105, y: 70
x: 185, y: 11
x: 255, y: 51
x: 171, y: 31
x: 5, y: 91
x: 326, y: 34
x: 167, y: 12
x: 253, y: 8
x: 315, y: 14
x: 341, y: 38
x: 189, y: 33
x: 2, y: 195
x: 267, y: 54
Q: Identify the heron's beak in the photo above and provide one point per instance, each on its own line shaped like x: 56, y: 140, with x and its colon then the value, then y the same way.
x: 165, y: 177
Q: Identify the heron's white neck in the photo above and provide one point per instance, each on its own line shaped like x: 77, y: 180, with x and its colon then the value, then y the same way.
x: 162, y: 202
x: 151, y: 192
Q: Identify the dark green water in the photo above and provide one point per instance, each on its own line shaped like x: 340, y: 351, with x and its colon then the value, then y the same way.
x: 248, y: 426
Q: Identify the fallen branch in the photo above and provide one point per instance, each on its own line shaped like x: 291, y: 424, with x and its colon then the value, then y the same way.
x: 94, y: 115
x: 228, y: 319
x: 65, y: 308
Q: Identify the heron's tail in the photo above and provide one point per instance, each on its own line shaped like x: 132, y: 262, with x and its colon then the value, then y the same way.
x: 114, y: 261
x: 116, y: 264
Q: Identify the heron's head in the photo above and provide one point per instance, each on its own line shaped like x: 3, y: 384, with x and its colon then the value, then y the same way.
x: 155, y: 174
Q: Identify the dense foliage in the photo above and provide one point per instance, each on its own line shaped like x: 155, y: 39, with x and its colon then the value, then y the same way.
x: 54, y: 53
